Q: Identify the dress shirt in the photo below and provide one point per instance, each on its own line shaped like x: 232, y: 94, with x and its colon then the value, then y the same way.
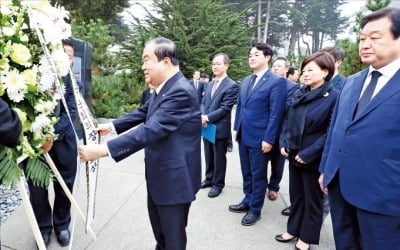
x: 259, y: 75
x: 387, y: 72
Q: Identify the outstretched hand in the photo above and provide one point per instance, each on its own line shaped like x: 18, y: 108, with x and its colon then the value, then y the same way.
x: 104, y: 128
x: 92, y: 152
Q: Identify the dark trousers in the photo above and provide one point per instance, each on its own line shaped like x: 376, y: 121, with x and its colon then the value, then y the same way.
x: 64, y: 155
x: 355, y: 228
x: 215, y: 159
x: 254, y: 172
x: 277, y: 165
x: 305, y: 219
x: 169, y: 224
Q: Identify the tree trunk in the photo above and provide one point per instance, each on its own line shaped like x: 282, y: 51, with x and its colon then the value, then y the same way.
x: 259, y: 21
x: 267, y: 20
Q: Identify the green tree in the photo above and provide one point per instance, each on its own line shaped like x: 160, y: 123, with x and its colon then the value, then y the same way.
x: 352, y: 61
x: 98, y: 34
x: 200, y: 29
x: 86, y: 10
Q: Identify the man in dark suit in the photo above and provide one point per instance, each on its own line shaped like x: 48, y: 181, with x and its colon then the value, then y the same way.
x: 361, y: 161
x: 198, y: 85
x: 280, y: 67
x: 64, y: 154
x: 216, y: 108
x: 10, y: 126
x: 261, y: 104
x: 171, y: 136
x: 337, y: 80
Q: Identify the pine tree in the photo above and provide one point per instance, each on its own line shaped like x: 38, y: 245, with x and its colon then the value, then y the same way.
x: 200, y: 29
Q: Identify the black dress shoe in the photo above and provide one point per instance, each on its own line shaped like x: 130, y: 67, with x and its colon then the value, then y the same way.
x: 206, y: 184
x: 63, y: 237
x: 46, y: 238
x: 280, y: 238
x: 250, y: 219
x: 214, y: 192
x: 286, y: 211
x: 239, y: 208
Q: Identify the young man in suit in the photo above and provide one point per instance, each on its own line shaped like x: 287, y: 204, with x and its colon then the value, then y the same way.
x: 170, y: 135
x: 63, y: 152
x: 360, y: 164
x: 260, y: 108
x: 198, y: 85
x: 10, y: 126
x: 216, y: 108
x: 337, y: 80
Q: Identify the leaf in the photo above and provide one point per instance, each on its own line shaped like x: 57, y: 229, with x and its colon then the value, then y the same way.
x: 38, y: 171
x: 9, y: 169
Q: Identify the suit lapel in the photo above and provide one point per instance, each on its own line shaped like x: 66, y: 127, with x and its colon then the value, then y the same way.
x: 259, y: 84
x: 391, y: 88
x: 356, y: 87
x: 160, y: 96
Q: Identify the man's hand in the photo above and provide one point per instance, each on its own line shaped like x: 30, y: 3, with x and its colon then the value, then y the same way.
x: 265, y: 147
x: 47, y: 146
x: 284, y: 152
x: 92, y: 152
x: 204, y: 120
x: 321, y: 184
x: 299, y: 160
x: 104, y: 128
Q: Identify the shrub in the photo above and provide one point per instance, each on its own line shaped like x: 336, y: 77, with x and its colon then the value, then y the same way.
x: 115, y: 95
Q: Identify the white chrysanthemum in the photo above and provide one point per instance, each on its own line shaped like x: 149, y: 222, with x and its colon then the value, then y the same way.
x: 39, y: 107
x: 4, y: 9
x: 15, y: 85
x: 47, y: 76
x: 41, y: 121
x: 61, y: 60
x: 8, y: 31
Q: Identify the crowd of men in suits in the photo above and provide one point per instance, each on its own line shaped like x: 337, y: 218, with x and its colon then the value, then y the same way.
x: 359, y: 164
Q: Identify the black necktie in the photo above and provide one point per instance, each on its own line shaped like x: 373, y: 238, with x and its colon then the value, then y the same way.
x: 368, y: 92
x: 251, y: 85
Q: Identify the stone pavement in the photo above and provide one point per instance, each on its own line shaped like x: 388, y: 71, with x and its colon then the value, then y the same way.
x: 121, y: 220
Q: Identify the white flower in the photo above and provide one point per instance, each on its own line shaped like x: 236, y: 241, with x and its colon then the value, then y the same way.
x: 61, y: 60
x: 20, y: 54
x: 24, y: 38
x: 30, y: 76
x: 4, y: 9
x: 47, y: 76
x: 8, y: 31
x: 41, y: 121
x: 39, y: 107
x: 15, y: 85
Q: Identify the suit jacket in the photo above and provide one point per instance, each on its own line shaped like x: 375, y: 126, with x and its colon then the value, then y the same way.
x: 259, y: 113
x: 63, y: 126
x: 10, y: 126
x: 318, y: 117
x: 366, y: 150
x: 218, y: 108
x: 145, y: 96
x: 171, y: 137
x: 338, y: 81
x: 200, y: 88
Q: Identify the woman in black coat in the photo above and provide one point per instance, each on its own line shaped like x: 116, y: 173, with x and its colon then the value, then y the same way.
x: 302, y: 142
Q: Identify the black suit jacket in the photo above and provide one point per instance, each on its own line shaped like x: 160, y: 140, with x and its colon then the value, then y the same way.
x: 10, y: 126
x: 218, y: 108
x: 337, y: 82
x: 171, y: 136
x: 200, y: 88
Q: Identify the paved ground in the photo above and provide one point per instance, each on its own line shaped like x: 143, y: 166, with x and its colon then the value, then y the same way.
x: 121, y: 220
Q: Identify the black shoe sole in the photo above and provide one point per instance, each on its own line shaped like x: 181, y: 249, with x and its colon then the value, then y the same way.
x: 238, y: 211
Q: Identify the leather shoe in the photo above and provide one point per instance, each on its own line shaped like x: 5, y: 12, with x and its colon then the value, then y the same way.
x: 214, y: 192
x: 272, y: 195
x: 63, y: 237
x: 239, y: 208
x: 206, y: 184
x: 250, y: 219
x: 286, y: 211
x: 46, y: 238
x: 280, y: 238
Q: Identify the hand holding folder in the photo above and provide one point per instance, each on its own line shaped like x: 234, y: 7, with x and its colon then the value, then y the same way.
x: 209, y: 132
